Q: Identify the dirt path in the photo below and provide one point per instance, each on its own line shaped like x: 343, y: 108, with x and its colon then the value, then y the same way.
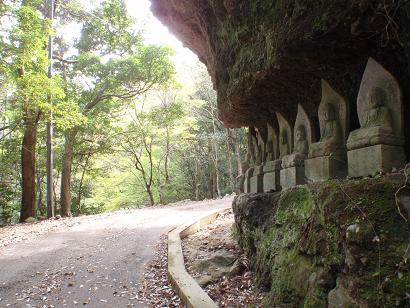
x: 97, y: 262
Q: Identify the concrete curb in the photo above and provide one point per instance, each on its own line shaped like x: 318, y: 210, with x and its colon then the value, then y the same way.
x: 186, y: 287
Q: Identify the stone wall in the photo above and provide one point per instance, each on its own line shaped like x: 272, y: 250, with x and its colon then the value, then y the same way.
x: 333, y: 244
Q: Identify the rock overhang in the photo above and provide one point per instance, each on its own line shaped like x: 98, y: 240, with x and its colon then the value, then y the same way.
x: 269, y: 56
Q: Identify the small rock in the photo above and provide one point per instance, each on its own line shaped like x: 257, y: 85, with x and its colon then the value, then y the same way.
x: 30, y: 220
x: 237, y: 269
x: 340, y: 297
x: 205, y: 280
x: 359, y: 233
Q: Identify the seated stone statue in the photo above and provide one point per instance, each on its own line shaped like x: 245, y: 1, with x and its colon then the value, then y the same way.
x: 257, y: 151
x: 377, y: 127
x: 284, y: 147
x: 331, y: 140
x: 301, y: 151
x: 270, y: 155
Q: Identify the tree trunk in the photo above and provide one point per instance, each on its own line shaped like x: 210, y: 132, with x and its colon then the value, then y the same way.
x: 211, y: 173
x: 40, y: 204
x: 161, y: 194
x: 196, y: 179
x: 238, y: 156
x: 28, y: 172
x: 150, y: 194
x: 218, y: 189
x: 65, y: 197
x: 80, y: 187
x: 229, y: 159
x: 167, y: 149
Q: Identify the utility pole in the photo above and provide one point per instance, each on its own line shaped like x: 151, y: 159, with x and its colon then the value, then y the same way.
x: 50, y: 154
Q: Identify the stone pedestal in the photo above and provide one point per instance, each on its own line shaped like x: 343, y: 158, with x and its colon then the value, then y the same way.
x: 257, y: 180
x: 240, y: 181
x: 292, y: 176
x: 377, y: 158
x: 247, y: 180
x: 325, y: 168
x: 271, y: 177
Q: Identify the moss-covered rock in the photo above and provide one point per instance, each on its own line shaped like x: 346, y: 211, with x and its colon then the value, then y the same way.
x: 336, y: 244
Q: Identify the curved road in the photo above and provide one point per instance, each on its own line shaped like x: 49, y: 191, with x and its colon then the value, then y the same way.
x: 98, y: 262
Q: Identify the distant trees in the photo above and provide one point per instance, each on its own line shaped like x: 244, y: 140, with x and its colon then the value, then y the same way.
x: 109, y: 66
x: 127, y: 134
x: 132, y: 69
x: 215, y: 145
x: 24, y: 73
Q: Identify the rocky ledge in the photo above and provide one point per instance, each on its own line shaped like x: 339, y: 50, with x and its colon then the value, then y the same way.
x: 334, y: 244
x: 266, y: 56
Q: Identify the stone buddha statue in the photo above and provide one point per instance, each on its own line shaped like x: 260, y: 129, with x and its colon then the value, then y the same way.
x: 377, y: 146
x: 257, y: 150
x: 270, y: 155
x: 378, y: 124
x: 331, y: 139
x: 301, y: 149
x: 284, y: 146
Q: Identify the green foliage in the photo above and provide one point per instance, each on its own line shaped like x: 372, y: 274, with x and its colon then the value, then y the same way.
x: 115, y: 106
x: 302, y: 234
x: 8, y: 210
x: 109, y: 30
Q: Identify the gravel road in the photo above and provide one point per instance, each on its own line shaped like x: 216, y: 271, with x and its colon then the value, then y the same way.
x: 97, y: 261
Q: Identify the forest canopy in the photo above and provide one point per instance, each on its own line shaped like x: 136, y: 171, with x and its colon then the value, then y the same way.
x: 127, y: 132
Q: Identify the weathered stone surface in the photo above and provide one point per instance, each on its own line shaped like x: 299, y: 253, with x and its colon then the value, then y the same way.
x: 311, y: 246
x: 272, y: 144
x: 239, y: 184
x: 403, y: 196
x: 271, y: 177
x: 380, y: 110
x: 271, y: 181
x: 303, y: 137
x: 206, y: 280
x: 285, y: 136
x: 257, y: 183
x: 340, y: 297
x: 30, y: 220
x: 378, y: 158
x: 292, y: 176
x: 325, y: 168
x: 334, y: 117
x: 238, y: 268
x: 268, y: 56
x: 247, y: 181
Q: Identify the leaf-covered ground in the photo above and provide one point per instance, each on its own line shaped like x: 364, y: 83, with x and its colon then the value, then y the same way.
x: 228, y: 291
x: 94, y: 261
x: 231, y: 284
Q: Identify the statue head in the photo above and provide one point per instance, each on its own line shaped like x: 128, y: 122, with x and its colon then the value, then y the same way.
x: 375, y: 97
x: 329, y: 112
x: 301, y: 133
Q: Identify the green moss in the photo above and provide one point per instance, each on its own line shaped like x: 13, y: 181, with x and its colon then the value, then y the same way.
x: 302, y: 252
x: 314, y: 302
x: 295, y: 206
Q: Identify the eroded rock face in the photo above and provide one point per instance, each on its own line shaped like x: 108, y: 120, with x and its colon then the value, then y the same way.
x: 267, y: 56
x: 332, y: 244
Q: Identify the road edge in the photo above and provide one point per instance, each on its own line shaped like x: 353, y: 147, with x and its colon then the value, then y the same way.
x: 186, y: 287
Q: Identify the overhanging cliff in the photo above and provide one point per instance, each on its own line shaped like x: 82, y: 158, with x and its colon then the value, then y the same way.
x: 266, y: 56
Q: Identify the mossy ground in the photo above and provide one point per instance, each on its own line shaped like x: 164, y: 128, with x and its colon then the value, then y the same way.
x: 321, y: 237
